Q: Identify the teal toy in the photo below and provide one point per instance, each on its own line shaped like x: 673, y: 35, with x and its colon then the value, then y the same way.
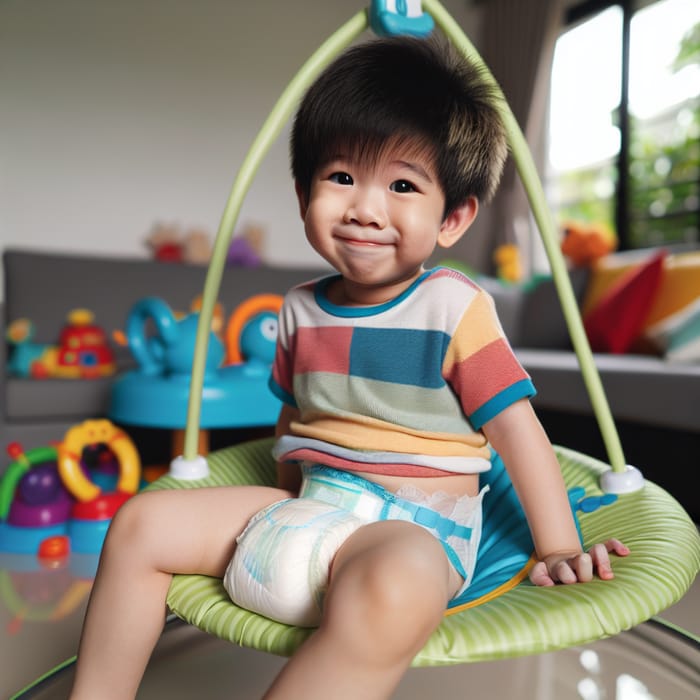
x: 25, y: 352
x: 235, y: 393
x: 390, y: 17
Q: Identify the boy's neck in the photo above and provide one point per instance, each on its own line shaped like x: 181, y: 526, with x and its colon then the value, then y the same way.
x: 343, y: 292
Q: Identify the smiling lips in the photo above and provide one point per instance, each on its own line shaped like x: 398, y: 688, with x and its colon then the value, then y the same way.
x: 362, y: 242
x: 355, y: 241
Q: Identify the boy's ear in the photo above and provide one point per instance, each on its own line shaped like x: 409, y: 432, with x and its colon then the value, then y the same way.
x: 457, y: 222
x: 301, y: 198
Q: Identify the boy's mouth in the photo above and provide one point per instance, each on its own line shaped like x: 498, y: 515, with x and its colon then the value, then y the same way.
x: 363, y: 241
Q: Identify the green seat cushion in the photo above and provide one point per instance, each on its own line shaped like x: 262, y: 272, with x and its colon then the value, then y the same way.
x: 664, y: 560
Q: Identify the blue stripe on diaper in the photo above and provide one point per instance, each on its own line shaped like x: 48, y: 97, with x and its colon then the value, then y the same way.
x: 346, y: 481
x: 339, y: 487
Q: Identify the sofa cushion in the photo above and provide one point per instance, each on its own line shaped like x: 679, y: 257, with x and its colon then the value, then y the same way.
x: 678, y: 335
x: 542, y: 322
x: 680, y: 285
x: 616, y: 321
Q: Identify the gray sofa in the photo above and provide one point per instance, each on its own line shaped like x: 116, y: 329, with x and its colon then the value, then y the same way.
x: 45, y: 287
x: 656, y: 404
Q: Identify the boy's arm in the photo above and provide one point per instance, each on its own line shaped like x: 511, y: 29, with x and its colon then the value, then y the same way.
x: 518, y: 437
x: 288, y: 474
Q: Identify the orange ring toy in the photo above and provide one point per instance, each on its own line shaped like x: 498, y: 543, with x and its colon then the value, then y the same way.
x: 243, y: 313
x: 89, y: 433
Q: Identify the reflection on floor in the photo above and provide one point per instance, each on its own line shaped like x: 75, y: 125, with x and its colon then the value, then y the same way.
x: 41, y: 612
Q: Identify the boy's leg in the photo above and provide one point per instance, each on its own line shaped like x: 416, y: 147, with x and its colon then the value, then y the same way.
x: 153, y: 535
x: 390, y: 583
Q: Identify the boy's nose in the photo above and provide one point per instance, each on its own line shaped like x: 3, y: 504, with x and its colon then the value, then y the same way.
x: 366, y: 208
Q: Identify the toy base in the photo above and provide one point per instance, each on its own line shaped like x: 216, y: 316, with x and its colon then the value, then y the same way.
x: 101, y: 508
x: 82, y: 537
x: 87, y: 536
x: 189, y: 469
x: 236, y: 396
x: 16, y: 539
x: 627, y: 481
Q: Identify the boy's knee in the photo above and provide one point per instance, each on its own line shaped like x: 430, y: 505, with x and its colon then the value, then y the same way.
x: 393, y: 602
x: 405, y: 594
x: 133, y: 522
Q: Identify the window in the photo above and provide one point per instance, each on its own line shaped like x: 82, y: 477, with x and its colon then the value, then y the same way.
x: 624, y: 120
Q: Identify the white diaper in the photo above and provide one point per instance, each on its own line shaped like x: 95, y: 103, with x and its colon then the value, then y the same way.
x: 281, y: 565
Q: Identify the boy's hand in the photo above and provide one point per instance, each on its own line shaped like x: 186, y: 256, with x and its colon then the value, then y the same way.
x: 568, y: 567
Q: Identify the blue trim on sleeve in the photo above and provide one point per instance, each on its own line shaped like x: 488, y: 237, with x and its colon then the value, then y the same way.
x: 280, y: 393
x: 520, y: 390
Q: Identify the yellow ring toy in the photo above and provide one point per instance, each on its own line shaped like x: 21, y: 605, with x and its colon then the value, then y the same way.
x: 94, y: 432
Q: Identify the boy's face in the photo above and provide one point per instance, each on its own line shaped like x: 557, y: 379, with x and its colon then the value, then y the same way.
x: 377, y: 222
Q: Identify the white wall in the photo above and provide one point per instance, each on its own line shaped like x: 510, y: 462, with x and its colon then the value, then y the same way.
x: 118, y: 115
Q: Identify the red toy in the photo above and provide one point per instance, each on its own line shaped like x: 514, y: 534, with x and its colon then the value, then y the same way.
x: 82, y: 351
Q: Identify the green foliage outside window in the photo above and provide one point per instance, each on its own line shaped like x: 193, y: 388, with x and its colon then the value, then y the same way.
x: 664, y: 174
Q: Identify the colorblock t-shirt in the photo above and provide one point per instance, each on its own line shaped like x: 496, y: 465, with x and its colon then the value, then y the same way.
x: 399, y: 388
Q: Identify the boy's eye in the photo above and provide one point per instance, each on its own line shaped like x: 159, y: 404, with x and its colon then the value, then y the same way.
x: 341, y: 178
x: 402, y: 186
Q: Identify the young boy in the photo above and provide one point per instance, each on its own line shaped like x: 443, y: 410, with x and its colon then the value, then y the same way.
x: 395, y: 381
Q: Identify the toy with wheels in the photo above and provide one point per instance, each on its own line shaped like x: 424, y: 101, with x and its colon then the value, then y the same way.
x: 82, y: 351
x: 52, y: 502
x: 156, y: 393
x: 511, y: 617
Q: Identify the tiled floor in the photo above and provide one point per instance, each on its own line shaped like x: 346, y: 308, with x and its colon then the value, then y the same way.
x: 41, y: 614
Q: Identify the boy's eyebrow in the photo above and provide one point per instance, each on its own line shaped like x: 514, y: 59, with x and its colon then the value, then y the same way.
x: 416, y: 168
x: 334, y: 157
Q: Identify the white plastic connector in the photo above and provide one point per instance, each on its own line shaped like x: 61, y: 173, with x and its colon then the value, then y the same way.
x: 189, y: 469
x: 627, y: 481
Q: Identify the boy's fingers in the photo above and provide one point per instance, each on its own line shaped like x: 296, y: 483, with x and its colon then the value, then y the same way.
x: 539, y: 575
x: 614, y: 545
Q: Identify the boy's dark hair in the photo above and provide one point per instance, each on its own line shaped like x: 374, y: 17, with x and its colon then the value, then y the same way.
x: 401, y: 88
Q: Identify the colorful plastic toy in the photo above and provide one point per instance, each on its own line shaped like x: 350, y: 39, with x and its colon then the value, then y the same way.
x: 52, y: 502
x: 388, y: 17
x: 156, y: 393
x: 82, y: 351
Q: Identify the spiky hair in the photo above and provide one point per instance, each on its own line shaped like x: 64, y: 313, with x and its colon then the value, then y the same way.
x: 405, y: 90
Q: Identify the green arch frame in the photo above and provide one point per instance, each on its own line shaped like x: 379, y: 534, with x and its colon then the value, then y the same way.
x: 267, y: 135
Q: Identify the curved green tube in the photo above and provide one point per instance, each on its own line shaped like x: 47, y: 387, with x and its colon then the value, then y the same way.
x: 533, y: 187
x: 267, y: 135
x: 522, y: 157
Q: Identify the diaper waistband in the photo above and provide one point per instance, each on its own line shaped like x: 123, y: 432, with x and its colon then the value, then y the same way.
x: 370, y: 501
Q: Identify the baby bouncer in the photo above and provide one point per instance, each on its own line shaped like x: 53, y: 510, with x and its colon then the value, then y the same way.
x: 505, y: 616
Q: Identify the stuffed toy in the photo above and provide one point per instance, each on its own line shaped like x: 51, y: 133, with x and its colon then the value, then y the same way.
x: 169, y: 244
x: 508, y: 264
x: 246, y: 248
x: 584, y: 244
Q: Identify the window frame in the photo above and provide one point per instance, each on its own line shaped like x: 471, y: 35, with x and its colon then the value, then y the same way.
x: 580, y: 12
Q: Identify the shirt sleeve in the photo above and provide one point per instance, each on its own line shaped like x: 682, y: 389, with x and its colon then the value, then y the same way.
x: 481, y: 366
